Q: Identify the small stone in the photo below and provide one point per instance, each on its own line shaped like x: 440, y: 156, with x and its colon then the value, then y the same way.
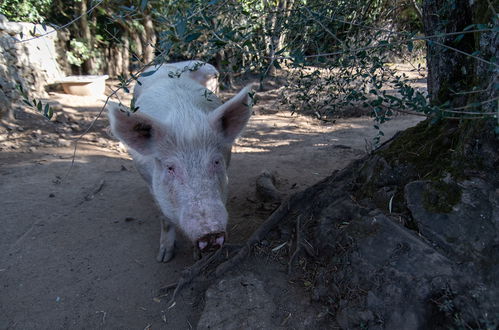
x: 51, y: 195
x: 64, y: 143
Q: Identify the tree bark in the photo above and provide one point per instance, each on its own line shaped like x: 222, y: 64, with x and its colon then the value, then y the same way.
x: 86, y: 36
x: 149, y: 38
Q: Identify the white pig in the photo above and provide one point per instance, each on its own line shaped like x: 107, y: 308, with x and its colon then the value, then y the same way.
x: 180, y: 138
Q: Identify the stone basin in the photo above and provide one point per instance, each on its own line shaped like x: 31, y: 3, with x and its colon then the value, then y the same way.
x: 84, y: 85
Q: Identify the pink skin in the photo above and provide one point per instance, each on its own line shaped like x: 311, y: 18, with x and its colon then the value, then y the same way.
x: 195, y: 189
x: 180, y: 141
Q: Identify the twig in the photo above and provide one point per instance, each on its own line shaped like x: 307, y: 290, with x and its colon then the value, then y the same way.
x: 103, y: 315
x: 298, y: 245
x: 409, y: 112
x: 92, y: 194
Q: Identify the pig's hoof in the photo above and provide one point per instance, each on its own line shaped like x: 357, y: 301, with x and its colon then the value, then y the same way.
x: 165, y: 255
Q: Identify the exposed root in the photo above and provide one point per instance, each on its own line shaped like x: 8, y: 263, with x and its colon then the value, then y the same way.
x: 258, y: 235
x: 201, y: 266
x: 189, y: 274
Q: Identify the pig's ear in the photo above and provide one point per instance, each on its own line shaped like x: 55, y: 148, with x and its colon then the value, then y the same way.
x: 136, y: 130
x: 230, y: 118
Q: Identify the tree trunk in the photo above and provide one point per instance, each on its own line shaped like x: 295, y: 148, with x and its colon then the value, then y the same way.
x: 465, y: 83
x: 137, y: 50
x: 125, y: 55
x: 148, y: 38
x: 86, y: 36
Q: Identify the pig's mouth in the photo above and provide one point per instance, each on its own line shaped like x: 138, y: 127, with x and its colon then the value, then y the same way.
x: 210, y: 242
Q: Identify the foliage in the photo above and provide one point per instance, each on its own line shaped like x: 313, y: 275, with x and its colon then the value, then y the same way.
x: 78, y: 53
x: 33, y: 11
x: 45, y: 110
x: 336, y: 54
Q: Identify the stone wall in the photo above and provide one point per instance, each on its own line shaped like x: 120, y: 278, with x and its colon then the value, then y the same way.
x: 32, y: 64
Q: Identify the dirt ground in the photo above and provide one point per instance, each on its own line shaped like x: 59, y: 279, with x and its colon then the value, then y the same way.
x: 77, y: 250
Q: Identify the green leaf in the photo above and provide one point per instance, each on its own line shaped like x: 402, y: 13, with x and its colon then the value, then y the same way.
x: 48, y: 111
x: 459, y: 38
x: 469, y: 27
x: 220, y: 43
x: 181, y: 27
x: 410, y: 46
x: 192, y: 37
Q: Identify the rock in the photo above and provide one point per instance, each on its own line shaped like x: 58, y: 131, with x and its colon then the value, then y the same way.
x: 3, y: 21
x: 64, y: 143
x: 265, y: 188
x: 238, y: 302
x: 389, y: 262
x: 103, y: 141
x: 468, y: 230
x: 31, y: 64
x: 407, y: 321
x: 48, y: 140
x: 12, y: 28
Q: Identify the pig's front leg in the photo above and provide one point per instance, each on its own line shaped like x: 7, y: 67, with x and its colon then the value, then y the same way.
x: 166, y: 241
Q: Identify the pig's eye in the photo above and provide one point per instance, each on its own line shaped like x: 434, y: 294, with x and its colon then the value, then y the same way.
x: 217, y: 163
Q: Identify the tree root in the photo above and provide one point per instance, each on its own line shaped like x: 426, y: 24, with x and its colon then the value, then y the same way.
x: 189, y: 274
x: 201, y: 266
x: 297, y: 247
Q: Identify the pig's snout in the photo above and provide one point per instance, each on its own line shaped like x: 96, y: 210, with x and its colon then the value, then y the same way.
x: 211, y: 242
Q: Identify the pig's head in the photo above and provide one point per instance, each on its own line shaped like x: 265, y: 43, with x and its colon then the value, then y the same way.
x: 186, y: 160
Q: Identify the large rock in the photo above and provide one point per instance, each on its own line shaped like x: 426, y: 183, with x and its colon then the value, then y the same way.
x: 31, y: 64
x: 397, y: 271
x: 468, y: 231
x: 238, y: 302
